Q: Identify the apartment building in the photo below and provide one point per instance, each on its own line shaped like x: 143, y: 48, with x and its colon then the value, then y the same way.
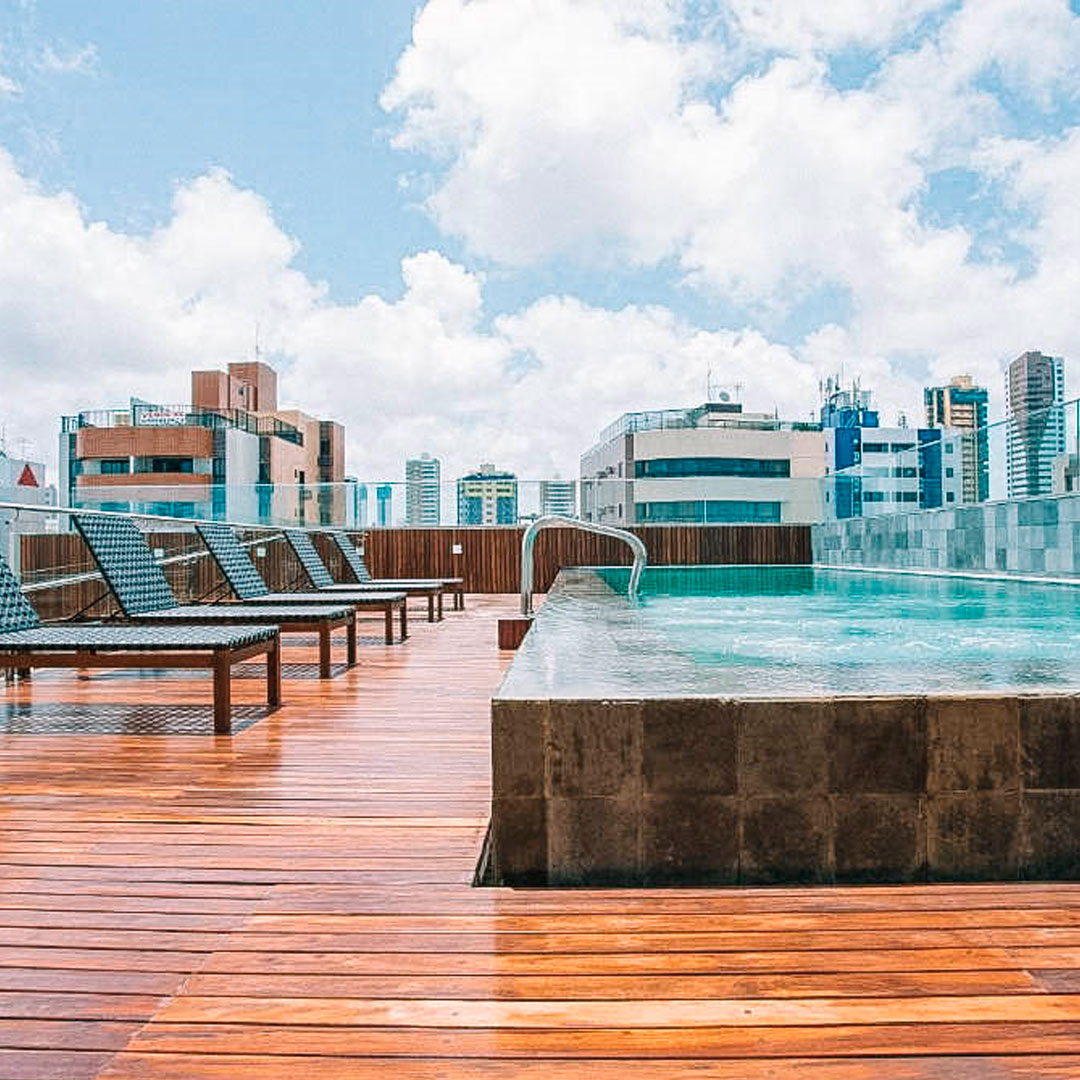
x: 712, y: 463
x: 1035, y: 429
x: 423, y: 490
x: 231, y: 453
x: 963, y: 406
x: 487, y: 497
x: 874, y: 470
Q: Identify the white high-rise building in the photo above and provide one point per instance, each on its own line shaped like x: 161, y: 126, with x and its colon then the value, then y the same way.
x: 422, y: 488
x: 1035, y: 435
x: 558, y: 497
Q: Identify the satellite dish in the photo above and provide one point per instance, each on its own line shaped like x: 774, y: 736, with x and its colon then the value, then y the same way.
x: 724, y: 395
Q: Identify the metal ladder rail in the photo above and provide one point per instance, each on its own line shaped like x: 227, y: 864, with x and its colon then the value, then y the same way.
x: 528, y: 542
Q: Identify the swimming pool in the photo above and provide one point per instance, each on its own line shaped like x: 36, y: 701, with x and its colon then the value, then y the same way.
x: 752, y: 631
x: 783, y: 724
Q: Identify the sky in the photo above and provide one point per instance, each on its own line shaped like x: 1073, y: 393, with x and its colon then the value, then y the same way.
x: 486, y: 228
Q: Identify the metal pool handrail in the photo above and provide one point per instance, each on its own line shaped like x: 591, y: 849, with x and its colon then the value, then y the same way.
x: 528, y: 542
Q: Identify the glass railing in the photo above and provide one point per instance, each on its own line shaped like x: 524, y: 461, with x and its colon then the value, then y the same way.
x: 608, y: 500
x: 62, y: 581
x: 166, y: 416
x: 1033, y: 453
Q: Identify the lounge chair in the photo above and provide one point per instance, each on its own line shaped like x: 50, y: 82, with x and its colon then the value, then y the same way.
x: 142, y: 591
x: 452, y: 585
x: 26, y: 644
x: 247, y: 583
x: 322, y: 580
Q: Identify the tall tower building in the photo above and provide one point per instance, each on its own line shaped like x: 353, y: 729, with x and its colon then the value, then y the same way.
x: 1035, y: 435
x: 558, y: 497
x: 422, y: 490
x: 963, y: 405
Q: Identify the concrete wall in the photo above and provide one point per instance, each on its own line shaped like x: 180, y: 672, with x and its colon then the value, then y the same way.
x: 1025, y: 536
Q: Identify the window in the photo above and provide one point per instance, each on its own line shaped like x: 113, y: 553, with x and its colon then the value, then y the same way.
x: 948, y: 448
x: 900, y: 447
x: 948, y: 470
x: 873, y: 496
x: 115, y: 466
x: 905, y: 470
x: 708, y: 510
x: 172, y: 465
x: 875, y: 448
x: 950, y: 496
x: 765, y: 468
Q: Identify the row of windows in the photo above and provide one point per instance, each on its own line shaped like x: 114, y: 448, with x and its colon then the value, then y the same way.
x: 885, y: 448
x: 897, y: 471
x: 712, y: 466
x: 122, y: 466
x: 898, y: 496
x: 708, y: 510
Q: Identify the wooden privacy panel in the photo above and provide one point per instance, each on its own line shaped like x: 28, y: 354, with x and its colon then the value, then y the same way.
x: 490, y: 558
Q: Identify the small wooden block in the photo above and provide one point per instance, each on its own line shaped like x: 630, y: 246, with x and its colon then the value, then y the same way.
x: 512, y: 631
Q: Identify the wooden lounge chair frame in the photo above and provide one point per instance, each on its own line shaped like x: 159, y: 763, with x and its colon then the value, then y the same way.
x: 26, y: 644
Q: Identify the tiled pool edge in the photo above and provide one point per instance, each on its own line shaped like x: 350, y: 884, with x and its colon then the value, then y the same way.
x: 712, y: 792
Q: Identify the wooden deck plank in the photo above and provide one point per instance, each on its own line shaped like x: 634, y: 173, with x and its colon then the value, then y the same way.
x: 136, y: 1066
x: 295, y: 901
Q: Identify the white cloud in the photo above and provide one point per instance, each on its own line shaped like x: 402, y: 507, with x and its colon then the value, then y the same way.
x: 562, y: 131
x: 81, y: 60
x: 809, y: 25
x: 90, y: 316
x: 8, y: 86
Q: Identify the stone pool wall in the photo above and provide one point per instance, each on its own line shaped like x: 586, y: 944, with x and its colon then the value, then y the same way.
x: 1039, y: 535
x: 711, y: 792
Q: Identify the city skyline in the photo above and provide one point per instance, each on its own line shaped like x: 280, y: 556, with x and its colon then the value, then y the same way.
x: 172, y: 196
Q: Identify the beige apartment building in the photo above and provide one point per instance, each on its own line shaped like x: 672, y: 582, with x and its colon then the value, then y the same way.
x: 231, y: 454
x: 710, y: 464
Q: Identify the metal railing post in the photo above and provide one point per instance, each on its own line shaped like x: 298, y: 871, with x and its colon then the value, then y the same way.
x: 528, y: 542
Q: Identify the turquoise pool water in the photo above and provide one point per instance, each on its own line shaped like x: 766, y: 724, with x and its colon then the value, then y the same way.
x: 800, y: 631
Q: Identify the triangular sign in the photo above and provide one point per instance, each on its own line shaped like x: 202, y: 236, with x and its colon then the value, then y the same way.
x: 28, y: 479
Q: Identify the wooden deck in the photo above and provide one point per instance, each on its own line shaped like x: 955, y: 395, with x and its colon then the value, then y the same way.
x: 295, y: 902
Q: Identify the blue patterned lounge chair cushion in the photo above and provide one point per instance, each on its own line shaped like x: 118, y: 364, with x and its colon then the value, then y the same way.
x: 351, y: 555
x: 126, y: 563
x: 305, y: 551
x: 233, y: 560
x: 16, y: 612
x: 79, y: 636
x: 241, y: 613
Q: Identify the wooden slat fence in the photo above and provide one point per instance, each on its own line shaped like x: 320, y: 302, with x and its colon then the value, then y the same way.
x: 490, y: 557
x: 489, y: 560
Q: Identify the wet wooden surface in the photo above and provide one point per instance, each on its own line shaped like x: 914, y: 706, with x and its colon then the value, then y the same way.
x: 295, y: 901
